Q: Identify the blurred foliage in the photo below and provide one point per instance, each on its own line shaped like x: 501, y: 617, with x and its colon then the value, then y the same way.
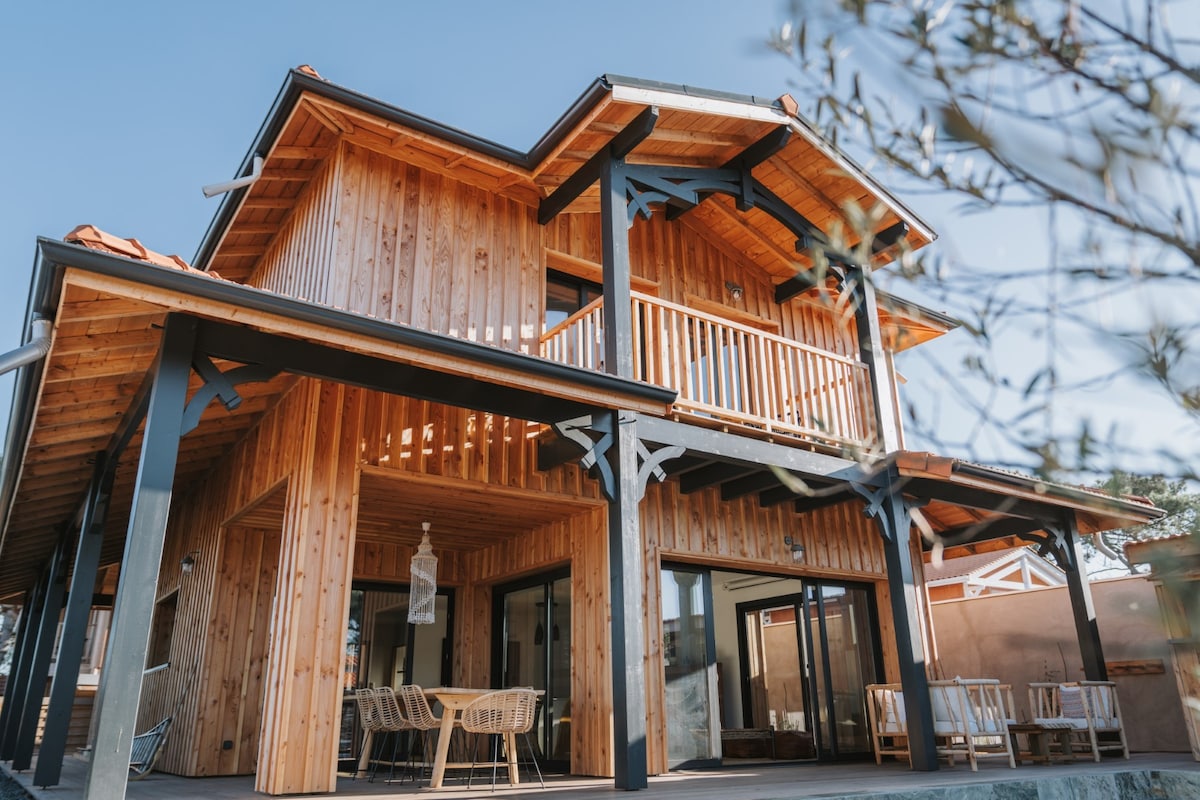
x: 1083, y: 117
x: 1182, y: 517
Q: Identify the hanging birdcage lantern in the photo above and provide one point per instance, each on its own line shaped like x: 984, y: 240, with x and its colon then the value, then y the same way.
x: 422, y: 589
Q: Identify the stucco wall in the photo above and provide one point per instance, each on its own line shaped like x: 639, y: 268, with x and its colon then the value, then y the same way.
x: 1030, y: 636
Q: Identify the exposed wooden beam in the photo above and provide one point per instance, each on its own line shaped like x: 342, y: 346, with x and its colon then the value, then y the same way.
x: 619, y: 147
x: 754, y: 482
x: 705, y: 477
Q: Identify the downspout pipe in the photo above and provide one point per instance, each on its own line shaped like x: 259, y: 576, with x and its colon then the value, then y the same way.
x: 33, y: 350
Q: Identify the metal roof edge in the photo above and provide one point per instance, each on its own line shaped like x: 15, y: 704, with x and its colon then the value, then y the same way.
x: 917, y: 310
x: 20, y: 415
x: 1060, y: 490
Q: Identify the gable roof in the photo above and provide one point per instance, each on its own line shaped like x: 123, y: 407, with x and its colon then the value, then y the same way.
x: 696, y: 128
x: 985, y: 573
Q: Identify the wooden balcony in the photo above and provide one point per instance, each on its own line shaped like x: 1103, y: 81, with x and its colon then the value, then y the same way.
x: 728, y: 372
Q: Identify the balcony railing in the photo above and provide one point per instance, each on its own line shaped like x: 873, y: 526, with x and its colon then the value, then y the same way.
x: 731, y: 372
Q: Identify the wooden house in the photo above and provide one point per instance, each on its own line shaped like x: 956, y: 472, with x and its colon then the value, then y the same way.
x: 636, y: 378
x: 1017, y: 569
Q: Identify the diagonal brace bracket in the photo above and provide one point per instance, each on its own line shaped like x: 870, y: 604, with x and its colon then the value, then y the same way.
x: 220, y: 385
x: 596, y: 450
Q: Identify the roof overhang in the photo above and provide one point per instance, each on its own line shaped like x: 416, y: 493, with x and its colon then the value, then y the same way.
x: 107, y: 310
x: 311, y: 116
x: 994, y: 503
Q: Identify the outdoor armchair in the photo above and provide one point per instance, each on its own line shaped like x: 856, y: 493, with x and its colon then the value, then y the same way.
x: 971, y: 719
x: 1089, y: 708
x: 889, y: 727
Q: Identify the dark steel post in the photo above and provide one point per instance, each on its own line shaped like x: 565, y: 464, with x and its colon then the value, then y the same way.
x: 894, y: 518
x: 626, y: 562
x: 133, y: 610
x: 43, y: 649
x: 75, y: 623
x: 618, y: 304
x: 870, y: 346
x: 1087, y: 629
x: 18, y: 676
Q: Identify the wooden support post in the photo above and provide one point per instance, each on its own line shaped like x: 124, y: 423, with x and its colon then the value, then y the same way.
x: 75, y: 624
x: 133, y: 610
x: 870, y: 347
x: 618, y: 302
x: 18, y: 676
x: 1086, y: 627
x: 43, y: 649
x: 626, y: 565
x: 893, y: 515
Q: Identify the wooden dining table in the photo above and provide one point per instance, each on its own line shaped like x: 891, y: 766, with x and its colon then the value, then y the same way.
x: 454, y: 699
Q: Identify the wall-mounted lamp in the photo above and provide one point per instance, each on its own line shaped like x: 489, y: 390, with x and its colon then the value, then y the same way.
x: 797, y: 548
x: 735, y: 291
x: 188, y: 563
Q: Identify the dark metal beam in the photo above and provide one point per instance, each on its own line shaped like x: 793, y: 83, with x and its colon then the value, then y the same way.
x: 823, y: 499
x: 117, y: 700
x: 22, y: 662
x: 39, y: 669
x: 984, y: 530
x: 750, y: 484
x: 617, y: 312
x: 722, y: 446
x: 746, y: 160
x: 75, y: 624
x: 970, y: 497
x: 1083, y: 610
x: 893, y: 515
x: 619, y: 147
x: 699, y: 479
x: 628, y: 612
x: 319, y: 361
x: 872, y: 353
x: 889, y: 237
x: 801, y: 282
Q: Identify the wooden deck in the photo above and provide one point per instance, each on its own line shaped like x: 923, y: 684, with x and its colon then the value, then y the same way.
x: 1177, y: 776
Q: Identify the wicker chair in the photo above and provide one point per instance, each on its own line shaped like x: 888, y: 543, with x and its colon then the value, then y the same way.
x: 971, y: 719
x: 368, y: 720
x: 420, y: 716
x: 1086, y: 708
x: 503, y: 714
x: 889, y: 728
x: 390, y: 721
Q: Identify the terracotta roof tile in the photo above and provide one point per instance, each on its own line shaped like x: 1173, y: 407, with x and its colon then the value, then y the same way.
x: 93, y: 237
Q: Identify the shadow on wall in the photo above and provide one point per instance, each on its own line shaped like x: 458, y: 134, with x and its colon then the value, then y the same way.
x: 1022, y: 637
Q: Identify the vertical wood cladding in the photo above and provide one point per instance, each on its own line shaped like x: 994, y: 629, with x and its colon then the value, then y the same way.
x: 191, y: 687
x: 387, y: 239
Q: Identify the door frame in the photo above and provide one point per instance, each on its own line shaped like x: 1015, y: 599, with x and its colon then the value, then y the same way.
x: 545, y: 580
x: 826, y: 746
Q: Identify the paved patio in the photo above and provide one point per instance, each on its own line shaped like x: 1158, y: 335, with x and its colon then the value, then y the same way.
x: 1145, y: 775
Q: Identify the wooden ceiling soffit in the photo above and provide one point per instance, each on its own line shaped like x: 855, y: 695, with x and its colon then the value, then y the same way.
x: 294, y: 320
x: 985, y: 529
x: 745, y: 161
x: 589, y: 125
x: 428, y: 151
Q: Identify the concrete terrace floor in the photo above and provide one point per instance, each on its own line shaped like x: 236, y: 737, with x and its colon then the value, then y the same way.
x: 1159, y: 776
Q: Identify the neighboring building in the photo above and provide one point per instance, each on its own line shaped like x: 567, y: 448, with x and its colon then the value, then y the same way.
x: 1015, y: 570
x: 646, y: 434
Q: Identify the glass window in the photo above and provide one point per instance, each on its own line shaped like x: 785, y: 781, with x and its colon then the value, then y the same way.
x: 566, y: 294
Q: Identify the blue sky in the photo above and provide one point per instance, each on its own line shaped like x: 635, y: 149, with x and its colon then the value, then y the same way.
x: 116, y: 114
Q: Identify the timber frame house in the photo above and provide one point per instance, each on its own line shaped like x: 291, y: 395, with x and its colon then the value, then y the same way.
x: 371, y: 311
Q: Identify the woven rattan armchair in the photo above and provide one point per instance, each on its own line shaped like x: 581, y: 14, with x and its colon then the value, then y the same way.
x: 392, y: 722
x: 503, y: 714
x: 420, y: 716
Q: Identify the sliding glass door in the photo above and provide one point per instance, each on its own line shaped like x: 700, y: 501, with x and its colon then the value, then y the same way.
x: 533, y: 648
x: 689, y: 656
